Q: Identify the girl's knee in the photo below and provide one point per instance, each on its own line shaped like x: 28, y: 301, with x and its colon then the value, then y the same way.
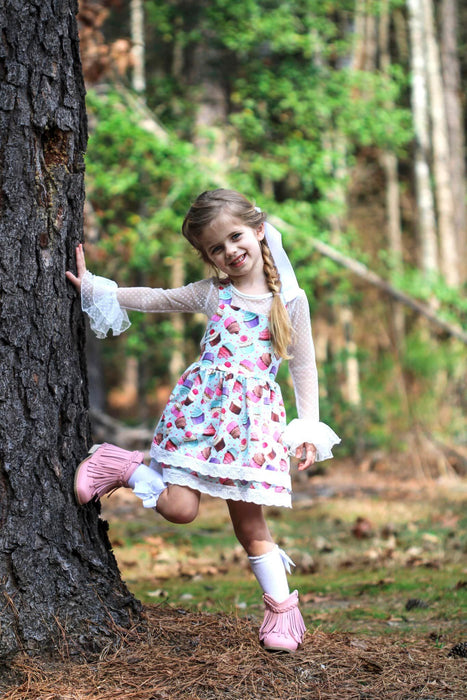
x: 179, y: 504
x: 185, y: 515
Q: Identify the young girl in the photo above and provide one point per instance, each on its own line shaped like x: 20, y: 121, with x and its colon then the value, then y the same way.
x: 223, y: 431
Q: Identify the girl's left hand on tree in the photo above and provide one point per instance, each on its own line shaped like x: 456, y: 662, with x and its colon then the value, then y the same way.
x: 306, y: 454
x: 80, y: 268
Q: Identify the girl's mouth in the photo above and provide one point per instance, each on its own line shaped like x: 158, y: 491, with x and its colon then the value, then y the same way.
x: 238, y: 261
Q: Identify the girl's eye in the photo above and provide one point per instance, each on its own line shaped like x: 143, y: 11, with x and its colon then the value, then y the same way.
x: 216, y: 250
x: 236, y: 236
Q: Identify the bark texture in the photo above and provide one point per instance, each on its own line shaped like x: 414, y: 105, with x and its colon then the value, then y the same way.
x: 58, y: 577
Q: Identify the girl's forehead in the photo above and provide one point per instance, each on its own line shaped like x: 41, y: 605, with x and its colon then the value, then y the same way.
x: 223, y: 223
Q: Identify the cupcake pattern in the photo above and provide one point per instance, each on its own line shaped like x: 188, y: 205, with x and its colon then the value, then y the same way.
x: 220, y: 432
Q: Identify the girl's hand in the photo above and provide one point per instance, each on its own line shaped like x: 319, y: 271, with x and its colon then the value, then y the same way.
x: 306, y: 454
x: 80, y: 267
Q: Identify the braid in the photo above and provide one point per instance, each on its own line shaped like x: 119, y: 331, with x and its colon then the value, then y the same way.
x: 281, y: 329
x: 270, y: 270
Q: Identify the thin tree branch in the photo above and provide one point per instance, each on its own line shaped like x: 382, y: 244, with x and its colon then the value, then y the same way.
x: 371, y: 277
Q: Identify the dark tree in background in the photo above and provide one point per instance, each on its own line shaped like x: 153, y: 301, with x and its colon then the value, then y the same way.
x: 57, y: 574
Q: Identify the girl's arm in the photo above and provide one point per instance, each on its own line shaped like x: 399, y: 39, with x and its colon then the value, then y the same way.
x: 307, y: 431
x: 191, y: 298
x: 106, y: 303
x: 303, y: 363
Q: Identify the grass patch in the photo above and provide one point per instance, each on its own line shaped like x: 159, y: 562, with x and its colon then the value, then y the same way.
x: 361, y: 557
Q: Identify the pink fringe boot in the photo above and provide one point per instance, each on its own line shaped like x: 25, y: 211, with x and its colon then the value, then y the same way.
x: 283, y: 628
x: 108, y: 468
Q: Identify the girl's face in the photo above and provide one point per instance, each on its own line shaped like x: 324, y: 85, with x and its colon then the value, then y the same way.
x: 234, y: 248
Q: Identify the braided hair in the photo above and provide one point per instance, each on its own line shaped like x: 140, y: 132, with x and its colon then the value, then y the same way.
x: 206, y: 208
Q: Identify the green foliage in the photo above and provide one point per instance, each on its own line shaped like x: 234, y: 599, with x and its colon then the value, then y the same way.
x: 140, y: 189
x: 298, y: 115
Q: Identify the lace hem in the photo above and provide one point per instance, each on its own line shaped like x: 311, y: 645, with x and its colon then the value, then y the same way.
x: 261, y: 497
x: 99, y: 301
x: 226, y: 471
x: 302, y: 430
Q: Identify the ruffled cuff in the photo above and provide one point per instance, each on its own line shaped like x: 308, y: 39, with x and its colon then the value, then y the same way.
x: 302, y: 430
x: 99, y: 301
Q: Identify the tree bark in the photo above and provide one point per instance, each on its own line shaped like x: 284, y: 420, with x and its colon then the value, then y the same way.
x: 58, y: 576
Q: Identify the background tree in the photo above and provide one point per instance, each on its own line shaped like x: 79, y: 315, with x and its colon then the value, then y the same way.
x: 58, y: 577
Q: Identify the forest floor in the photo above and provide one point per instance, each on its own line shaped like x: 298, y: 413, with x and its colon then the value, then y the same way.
x: 381, y: 567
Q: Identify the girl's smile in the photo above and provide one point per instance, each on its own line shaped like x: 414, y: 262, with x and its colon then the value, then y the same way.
x: 235, y: 250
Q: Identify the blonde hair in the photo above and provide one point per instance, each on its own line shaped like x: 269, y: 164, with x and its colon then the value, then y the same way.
x: 206, y: 208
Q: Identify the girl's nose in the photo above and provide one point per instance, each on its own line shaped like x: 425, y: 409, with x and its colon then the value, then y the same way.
x: 230, y: 250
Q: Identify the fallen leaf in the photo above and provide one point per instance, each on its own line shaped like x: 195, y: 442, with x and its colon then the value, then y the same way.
x: 314, y: 598
x: 362, y: 528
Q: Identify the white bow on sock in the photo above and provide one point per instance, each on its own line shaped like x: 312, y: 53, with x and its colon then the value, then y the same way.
x: 147, y: 484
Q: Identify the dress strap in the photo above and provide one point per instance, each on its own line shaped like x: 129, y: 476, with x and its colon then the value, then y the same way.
x: 225, y: 293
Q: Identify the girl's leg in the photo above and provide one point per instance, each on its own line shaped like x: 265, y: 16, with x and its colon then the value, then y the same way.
x: 250, y: 527
x: 178, y: 504
x: 109, y: 467
x: 264, y: 556
x: 283, y: 627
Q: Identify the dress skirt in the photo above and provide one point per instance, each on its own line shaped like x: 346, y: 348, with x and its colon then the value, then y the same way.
x: 221, y: 430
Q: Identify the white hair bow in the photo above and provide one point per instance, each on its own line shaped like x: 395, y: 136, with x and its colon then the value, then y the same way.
x: 289, y: 284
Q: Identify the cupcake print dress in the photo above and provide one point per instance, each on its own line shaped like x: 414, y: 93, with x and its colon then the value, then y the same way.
x: 221, y: 430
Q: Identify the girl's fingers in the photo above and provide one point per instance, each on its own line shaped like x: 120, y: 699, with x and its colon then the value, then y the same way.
x: 80, y: 268
x: 310, y: 455
x: 80, y: 260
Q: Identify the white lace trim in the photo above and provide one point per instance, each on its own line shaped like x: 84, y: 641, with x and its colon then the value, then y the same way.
x: 99, y: 301
x: 274, y: 478
x: 261, y: 497
x: 302, y: 430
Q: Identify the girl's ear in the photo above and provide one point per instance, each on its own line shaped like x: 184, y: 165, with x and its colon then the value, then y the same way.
x: 260, y: 232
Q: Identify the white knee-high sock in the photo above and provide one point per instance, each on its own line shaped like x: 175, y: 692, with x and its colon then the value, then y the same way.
x: 270, y: 571
x: 147, y: 483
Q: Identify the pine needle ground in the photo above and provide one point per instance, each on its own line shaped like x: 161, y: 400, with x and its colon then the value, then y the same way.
x: 174, y: 654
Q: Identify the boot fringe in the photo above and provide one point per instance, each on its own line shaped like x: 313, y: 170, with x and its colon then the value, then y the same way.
x: 107, y: 469
x: 117, y: 468
x: 282, y: 621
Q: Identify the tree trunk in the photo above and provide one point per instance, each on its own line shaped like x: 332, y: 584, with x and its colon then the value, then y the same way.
x: 58, y: 577
x: 425, y: 199
x: 137, y: 50
x: 351, y: 387
x: 211, y: 124
x: 452, y: 96
x: 441, y: 157
x: 388, y: 162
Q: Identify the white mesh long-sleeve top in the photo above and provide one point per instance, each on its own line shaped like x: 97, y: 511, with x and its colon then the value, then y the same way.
x: 105, y: 303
